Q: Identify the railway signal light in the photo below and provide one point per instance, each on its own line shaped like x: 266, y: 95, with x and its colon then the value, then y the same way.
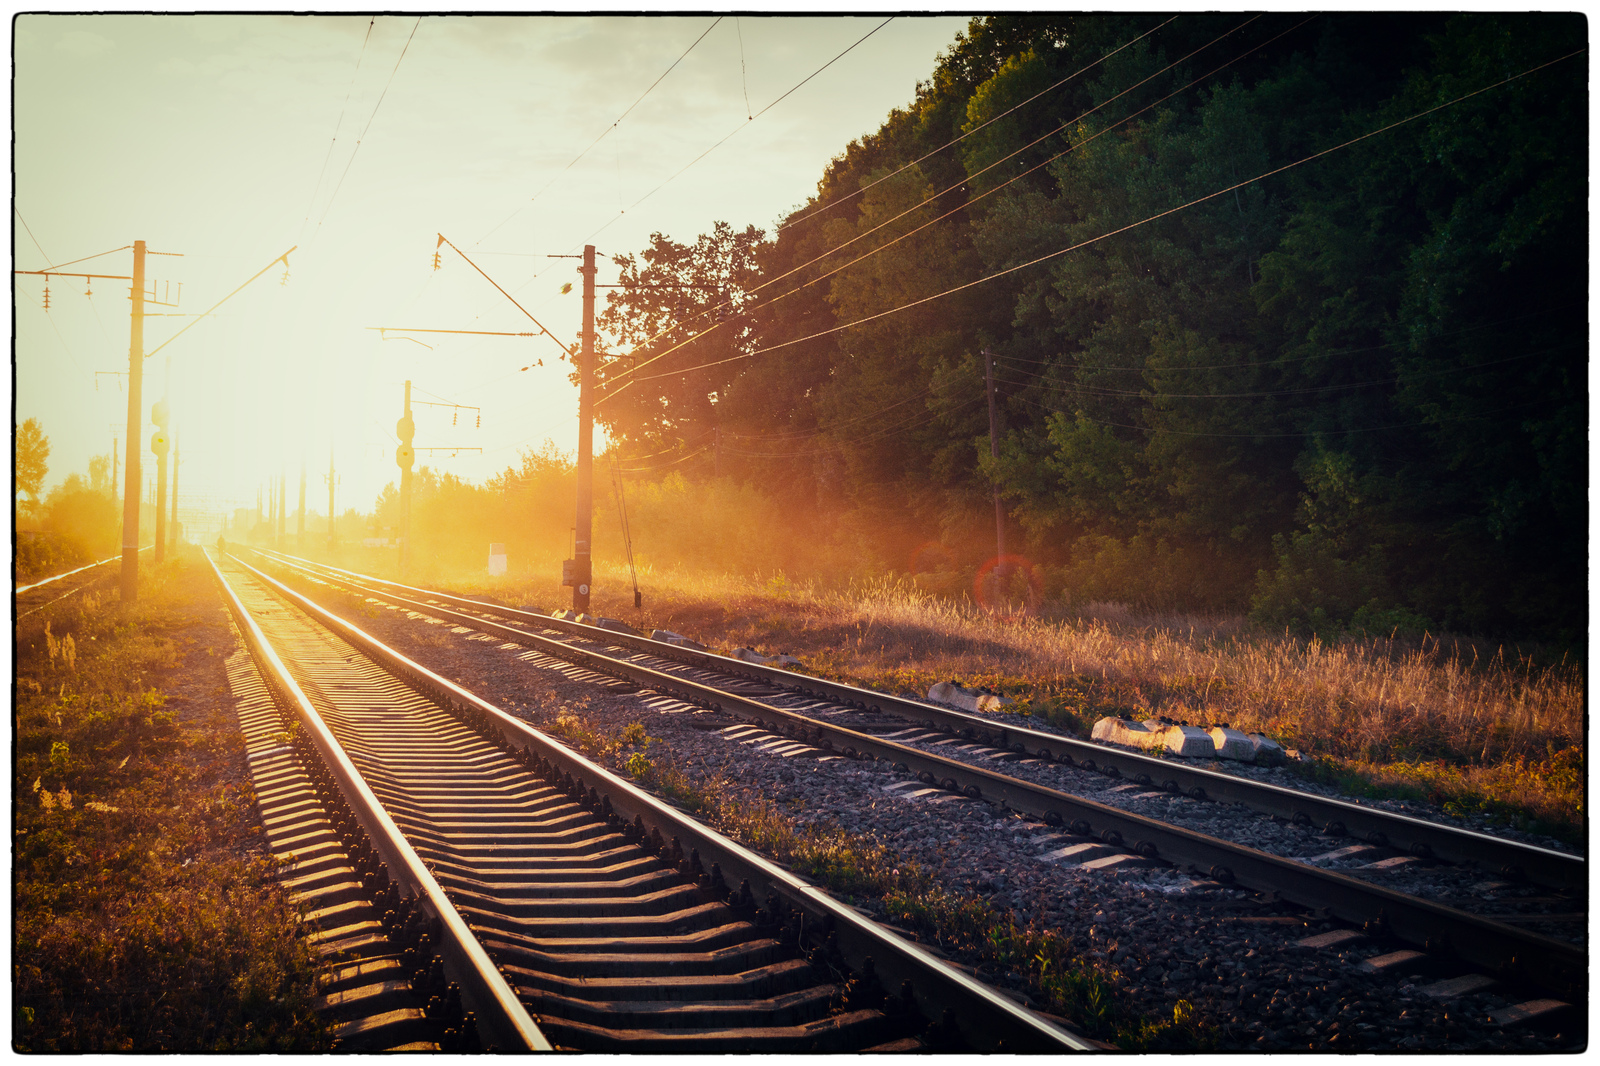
x: 161, y: 414
x: 406, y: 429
x: 405, y: 455
x: 158, y: 442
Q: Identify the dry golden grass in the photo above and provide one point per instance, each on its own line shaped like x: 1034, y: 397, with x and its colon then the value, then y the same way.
x: 1472, y: 727
x: 145, y: 918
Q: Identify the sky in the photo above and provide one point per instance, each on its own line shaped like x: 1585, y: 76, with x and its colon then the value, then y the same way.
x: 357, y: 141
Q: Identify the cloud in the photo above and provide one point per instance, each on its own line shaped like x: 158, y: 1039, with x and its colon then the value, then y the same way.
x: 83, y: 43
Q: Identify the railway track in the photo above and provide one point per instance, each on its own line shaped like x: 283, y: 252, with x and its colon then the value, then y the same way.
x: 1501, y: 945
x: 530, y: 898
x: 30, y: 598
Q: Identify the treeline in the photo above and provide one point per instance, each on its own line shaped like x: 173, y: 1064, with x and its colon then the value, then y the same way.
x: 75, y: 523
x: 675, y: 521
x: 1350, y: 393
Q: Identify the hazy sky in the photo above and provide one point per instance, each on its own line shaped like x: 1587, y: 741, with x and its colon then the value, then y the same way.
x: 232, y: 138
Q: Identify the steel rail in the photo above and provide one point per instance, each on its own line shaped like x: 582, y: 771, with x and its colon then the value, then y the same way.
x: 1497, y: 946
x: 39, y: 584
x: 502, y: 1019
x: 1418, y: 836
x: 989, y: 1021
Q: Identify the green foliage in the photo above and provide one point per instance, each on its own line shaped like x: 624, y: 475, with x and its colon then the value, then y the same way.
x: 32, y: 458
x: 1350, y: 395
x: 145, y: 918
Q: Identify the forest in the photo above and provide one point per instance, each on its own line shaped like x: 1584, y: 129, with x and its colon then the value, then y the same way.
x: 1286, y: 314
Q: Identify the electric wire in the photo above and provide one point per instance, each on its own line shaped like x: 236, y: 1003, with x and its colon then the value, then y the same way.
x: 742, y: 126
x: 343, y: 174
x: 603, y: 133
x: 336, y: 127
x: 795, y: 220
x: 988, y: 192
x: 1297, y: 436
x: 85, y: 259
x: 29, y: 231
x: 697, y: 159
x: 1128, y: 227
x: 1040, y: 383
x: 1292, y: 359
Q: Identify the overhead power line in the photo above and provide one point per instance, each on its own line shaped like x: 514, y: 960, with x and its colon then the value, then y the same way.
x: 846, y: 198
x: 988, y: 192
x: 743, y: 125
x: 615, y: 123
x: 1120, y: 229
x: 337, y: 126
x: 335, y: 194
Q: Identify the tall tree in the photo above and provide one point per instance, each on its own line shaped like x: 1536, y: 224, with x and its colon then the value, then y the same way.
x: 33, y: 451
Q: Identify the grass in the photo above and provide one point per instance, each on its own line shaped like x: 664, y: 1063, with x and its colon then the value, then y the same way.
x: 1475, y: 728
x: 145, y: 915
x: 861, y: 869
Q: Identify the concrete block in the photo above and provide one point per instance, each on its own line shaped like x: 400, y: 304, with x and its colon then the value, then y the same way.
x: 667, y: 636
x: 953, y: 695
x: 1122, y: 861
x: 1333, y: 939
x: 1531, y: 1011
x: 1394, y: 864
x: 617, y: 625
x: 1079, y: 853
x: 1189, y: 741
x: 1354, y: 851
x: 1232, y: 744
x: 1268, y: 751
x: 750, y: 655
x: 1465, y: 985
x: 1402, y: 961
x: 1127, y: 733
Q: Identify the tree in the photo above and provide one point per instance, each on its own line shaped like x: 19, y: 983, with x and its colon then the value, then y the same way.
x: 680, y: 309
x: 33, y: 449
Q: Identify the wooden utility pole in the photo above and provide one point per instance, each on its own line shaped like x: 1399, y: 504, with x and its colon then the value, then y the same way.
x: 131, y: 494
x: 173, y: 526
x: 283, y: 503
x: 583, y: 562
x: 331, y: 482
x: 994, y: 454
x: 160, y: 443
x: 405, y: 455
x: 300, y: 524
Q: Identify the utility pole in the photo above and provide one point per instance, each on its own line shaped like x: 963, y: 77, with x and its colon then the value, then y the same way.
x: 405, y: 455
x: 283, y: 499
x: 161, y: 415
x: 300, y: 524
x: 116, y: 447
x: 994, y: 454
x: 130, y: 494
x: 174, y: 527
x: 332, y: 480
x: 583, y: 562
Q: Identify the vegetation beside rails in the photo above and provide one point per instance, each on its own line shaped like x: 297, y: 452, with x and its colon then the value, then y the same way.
x: 1474, y: 728
x: 145, y: 915
x: 1046, y: 961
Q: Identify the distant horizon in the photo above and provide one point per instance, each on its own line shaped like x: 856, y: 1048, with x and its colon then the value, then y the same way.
x: 214, y: 136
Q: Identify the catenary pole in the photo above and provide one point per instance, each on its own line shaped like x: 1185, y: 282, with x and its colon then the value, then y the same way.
x: 131, y: 493
x: 994, y: 454
x: 583, y: 560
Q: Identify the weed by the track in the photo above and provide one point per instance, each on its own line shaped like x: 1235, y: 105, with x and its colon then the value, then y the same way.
x: 1475, y: 728
x: 144, y: 916
x: 861, y: 869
